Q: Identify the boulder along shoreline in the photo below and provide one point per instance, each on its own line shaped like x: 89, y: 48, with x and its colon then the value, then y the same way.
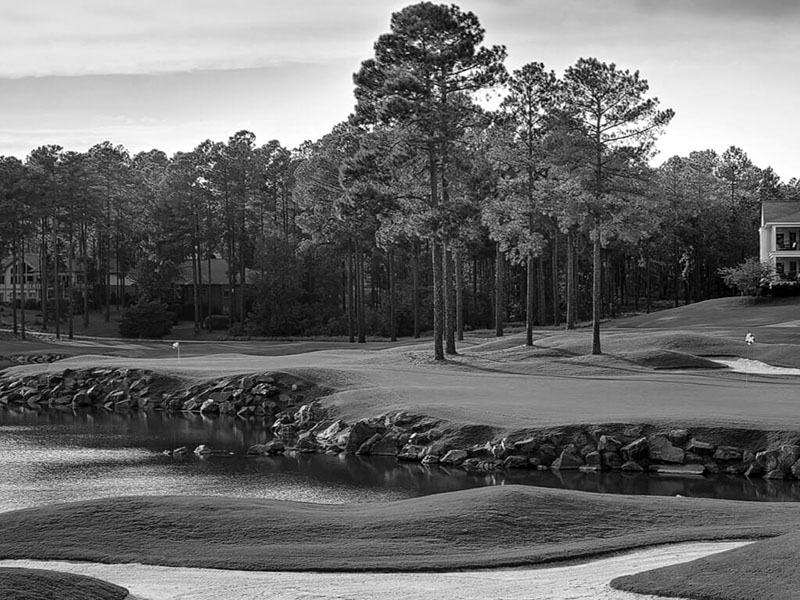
x: 294, y: 411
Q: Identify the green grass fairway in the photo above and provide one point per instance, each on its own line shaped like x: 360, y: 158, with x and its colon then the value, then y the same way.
x: 38, y: 584
x: 767, y: 569
x: 485, y: 527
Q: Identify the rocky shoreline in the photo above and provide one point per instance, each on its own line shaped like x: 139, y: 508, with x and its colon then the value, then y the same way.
x: 294, y: 410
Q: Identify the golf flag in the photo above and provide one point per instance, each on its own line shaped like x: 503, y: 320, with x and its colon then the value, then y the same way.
x: 749, y: 339
x: 176, y: 345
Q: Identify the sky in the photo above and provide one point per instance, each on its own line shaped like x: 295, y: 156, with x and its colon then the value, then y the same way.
x: 169, y: 74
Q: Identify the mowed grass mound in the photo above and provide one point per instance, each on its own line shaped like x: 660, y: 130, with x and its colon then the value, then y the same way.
x: 39, y: 584
x: 484, y: 527
x: 766, y: 569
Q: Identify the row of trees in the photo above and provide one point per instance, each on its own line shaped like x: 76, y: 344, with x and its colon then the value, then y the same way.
x: 423, y: 210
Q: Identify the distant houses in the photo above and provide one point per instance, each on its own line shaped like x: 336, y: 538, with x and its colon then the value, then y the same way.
x: 215, y: 292
x: 28, y: 271
x: 780, y: 238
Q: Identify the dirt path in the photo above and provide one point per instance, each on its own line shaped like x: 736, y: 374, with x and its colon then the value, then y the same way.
x: 587, y: 581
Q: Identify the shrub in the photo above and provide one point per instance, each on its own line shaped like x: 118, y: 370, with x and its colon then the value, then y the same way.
x: 217, y: 322
x: 147, y: 320
x: 784, y: 288
x: 749, y: 277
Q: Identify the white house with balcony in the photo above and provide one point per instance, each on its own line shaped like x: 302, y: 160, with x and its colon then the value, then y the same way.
x: 780, y: 237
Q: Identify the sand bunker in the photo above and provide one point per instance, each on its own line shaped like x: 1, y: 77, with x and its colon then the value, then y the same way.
x: 587, y: 581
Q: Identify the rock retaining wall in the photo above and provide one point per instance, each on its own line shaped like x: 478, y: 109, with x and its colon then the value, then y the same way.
x: 299, y: 423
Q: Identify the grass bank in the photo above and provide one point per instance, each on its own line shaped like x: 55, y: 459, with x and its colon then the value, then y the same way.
x: 39, y: 584
x: 767, y: 569
x: 485, y: 527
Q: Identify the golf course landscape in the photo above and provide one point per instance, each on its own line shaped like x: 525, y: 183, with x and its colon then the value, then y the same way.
x: 662, y: 378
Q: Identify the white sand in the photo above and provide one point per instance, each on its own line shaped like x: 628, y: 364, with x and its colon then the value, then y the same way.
x: 748, y: 365
x: 588, y: 581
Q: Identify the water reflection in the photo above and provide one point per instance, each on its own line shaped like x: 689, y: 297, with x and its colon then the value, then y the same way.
x: 60, y: 456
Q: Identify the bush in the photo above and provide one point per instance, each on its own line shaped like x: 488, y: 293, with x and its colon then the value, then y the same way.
x: 146, y: 320
x: 784, y: 288
x: 749, y: 277
x: 217, y: 322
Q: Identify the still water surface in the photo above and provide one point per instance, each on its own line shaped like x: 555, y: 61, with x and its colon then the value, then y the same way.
x: 60, y: 456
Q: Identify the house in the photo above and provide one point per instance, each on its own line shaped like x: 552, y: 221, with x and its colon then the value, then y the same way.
x: 33, y: 279
x: 780, y: 237
x: 214, y: 287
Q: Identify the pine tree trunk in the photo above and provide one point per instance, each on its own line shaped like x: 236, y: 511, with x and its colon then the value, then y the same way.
x: 554, y: 261
x: 392, y: 326
x: 362, y: 334
x: 85, y: 258
x: 459, y: 296
x: 597, y: 290
x: 56, y: 286
x: 570, y: 281
x: 71, y: 279
x: 351, y: 337
x: 14, y: 278
x: 529, y: 301
x: 436, y: 260
x: 498, y: 292
x: 415, y: 284
x: 541, y: 300
x: 43, y: 275
x: 22, y: 270
x: 438, y: 301
x: 449, y: 300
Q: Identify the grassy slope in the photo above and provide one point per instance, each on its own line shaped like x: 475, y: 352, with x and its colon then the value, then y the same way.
x: 494, y: 526
x: 767, y: 569
x: 38, y: 584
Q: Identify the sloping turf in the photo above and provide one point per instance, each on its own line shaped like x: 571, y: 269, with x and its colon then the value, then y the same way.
x: 769, y: 569
x: 39, y: 584
x: 486, y: 527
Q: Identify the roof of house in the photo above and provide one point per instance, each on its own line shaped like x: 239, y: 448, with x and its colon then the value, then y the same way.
x: 780, y: 212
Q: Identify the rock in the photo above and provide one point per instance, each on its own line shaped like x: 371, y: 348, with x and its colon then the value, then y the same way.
x: 307, y: 443
x: 525, y: 446
x: 635, y: 450
x: 482, y: 452
x: 594, y: 460
x: 725, y: 453
x: 515, y: 461
x: 544, y: 455
x: 411, y: 452
x: 678, y: 469
x: 430, y: 459
x: 611, y: 460
x: 659, y: 448
x: 608, y: 444
x: 366, y: 447
x: 360, y: 432
x: 788, y: 454
x: 81, y: 399
x: 632, y: 465
x: 702, y: 448
x: 678, y: 437
x: 182, y: 451
x: 271, y: 447
x: 389, y: 444
x: 775, y: 474
x: 454, y: 457
x: 569, y: 459
x: 795, y: 469
x: 209, y: 406
x: 202, y: 450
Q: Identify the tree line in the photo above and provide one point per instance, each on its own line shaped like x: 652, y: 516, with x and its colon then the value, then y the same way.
x: 424, y: 210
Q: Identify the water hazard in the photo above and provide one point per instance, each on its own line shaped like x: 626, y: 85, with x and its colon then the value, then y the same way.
x: 60, y: 456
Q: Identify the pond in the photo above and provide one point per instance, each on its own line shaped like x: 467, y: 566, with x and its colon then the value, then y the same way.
x: 50, y: 457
